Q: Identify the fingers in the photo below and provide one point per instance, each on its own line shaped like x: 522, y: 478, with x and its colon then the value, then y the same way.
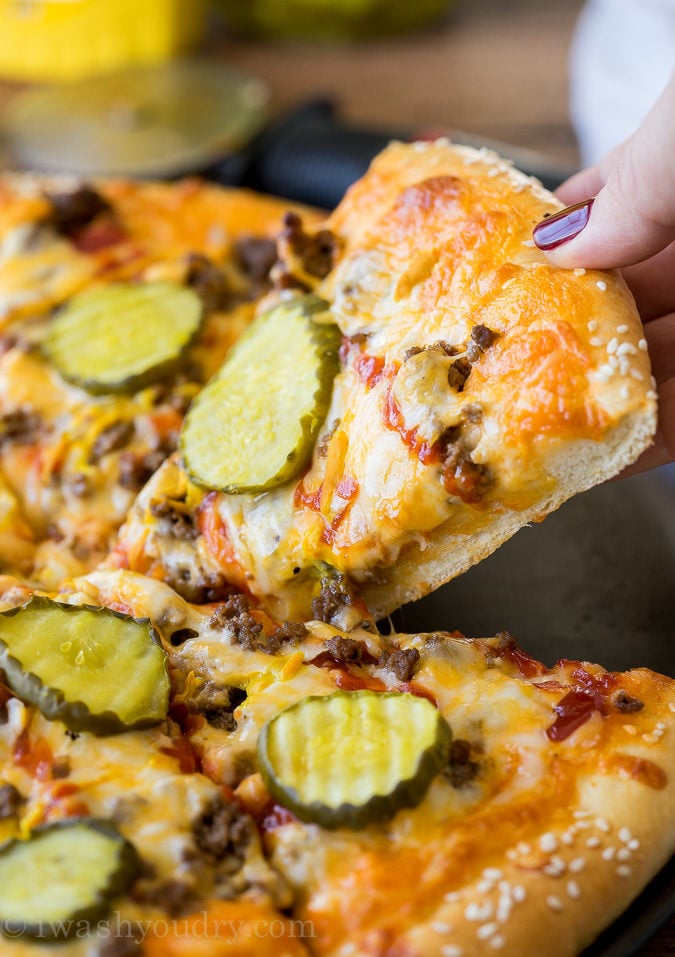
x: 660, y: 335
x: 633, y: 214
x: 653, y: 283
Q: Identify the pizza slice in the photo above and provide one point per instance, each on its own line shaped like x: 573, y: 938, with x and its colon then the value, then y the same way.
x: 115, y: 844
x: 422, y: 794
x: 118, y: 300
x: 426, y: 385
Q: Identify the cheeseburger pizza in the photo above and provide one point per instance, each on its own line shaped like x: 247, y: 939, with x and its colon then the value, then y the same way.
x: 117, y: 302
x: 304, y: 789
x: 207, y: 747
x: 441, y: 387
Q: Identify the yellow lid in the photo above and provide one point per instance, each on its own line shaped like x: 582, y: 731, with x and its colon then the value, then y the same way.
x: 52, y: 40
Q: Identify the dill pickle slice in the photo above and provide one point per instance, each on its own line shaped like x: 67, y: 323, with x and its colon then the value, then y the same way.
x: 94, y: 669
x: 65, y: 872
x: 254, y: 425
x: 350, y: 759
x: 122, y: 337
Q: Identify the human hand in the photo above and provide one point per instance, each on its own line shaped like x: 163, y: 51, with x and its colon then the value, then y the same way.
x: 630, y: 224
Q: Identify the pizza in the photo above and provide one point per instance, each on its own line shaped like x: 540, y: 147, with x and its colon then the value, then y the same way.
x: 539, y: 803
x: 222, y: 460
x: 75, y: 447
x: 476, y: 387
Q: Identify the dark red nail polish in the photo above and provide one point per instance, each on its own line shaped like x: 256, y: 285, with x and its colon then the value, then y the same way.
x: 563, y: 226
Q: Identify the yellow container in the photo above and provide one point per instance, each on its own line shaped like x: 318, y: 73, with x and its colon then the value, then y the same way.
x: 52, y: 40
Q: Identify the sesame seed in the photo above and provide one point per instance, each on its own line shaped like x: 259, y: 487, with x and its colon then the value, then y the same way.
x: 658, y: 733
x: 497, y: 942
x: 573, y: 890
x: 581, y: 813
x: 492, y: 874
x: 651, y: 394
x: 642, y: 345
x: 548, y: 842
x: 451, y: 896
x: 624, y: 366
x: 626, y: 349
x: 487, y: 930
x: 660, y: 726
x: 633, y: 844
x: 606, y: 369
x: 602, y: 286
x: 554, y: 902
x: 622, y: 329
x: 637, y: 375
x: 612, y: 345
x: 624, y: 835
x: 582, y: 825
x: 495, y: 171
x: 624, y: 854
x: 567, y: 838
x: 613, y: 362
x: 504, y: 887
x: 479, y: 912
x: 484, y: 887
x: 511, y: 854
x: 602, y: 825
x: 593, y: 841
x: 451, y: 950
x: 577, y: 865
x: 629, y: 728
x: 594, y: 341
x: 652, y: 382
x: 608, y: 853
x: 523, y: 848
x: 671, y: 706
x: 592, y: 325
x: 624, y: 392
x: 518, y: 893
x: 623, y: 870
x: 504, y: 909
x: 650, y: 738
x: 579, y: 271
x: 440, y: 927
x: 528, y: 242
x: 553, y: 870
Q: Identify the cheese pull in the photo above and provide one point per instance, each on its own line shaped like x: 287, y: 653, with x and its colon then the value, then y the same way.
x: 122, y: 337
x: 92, y: 668
x: 254, y: 425
x: 351, y: 759
x: 65, y: 874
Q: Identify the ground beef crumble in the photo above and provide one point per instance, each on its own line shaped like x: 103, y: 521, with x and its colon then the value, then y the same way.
x: 11, y: 801
x: 72, y: 211
x: 175, y: 518
x: 235, y: 615
x: 336, y: 594
x: 222, y: 833
x: 401, y: 663
x: 462, y: 766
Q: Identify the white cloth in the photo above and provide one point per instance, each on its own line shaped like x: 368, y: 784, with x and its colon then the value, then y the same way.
x: 622, y: 56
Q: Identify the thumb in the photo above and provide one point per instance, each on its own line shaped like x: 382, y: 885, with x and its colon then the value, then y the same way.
x: 632, y: 217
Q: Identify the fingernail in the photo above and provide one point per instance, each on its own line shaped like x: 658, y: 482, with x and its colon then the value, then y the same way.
x: 563, y: 226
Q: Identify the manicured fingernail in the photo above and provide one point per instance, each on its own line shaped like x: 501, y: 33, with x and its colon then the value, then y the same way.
x: 563, y: 226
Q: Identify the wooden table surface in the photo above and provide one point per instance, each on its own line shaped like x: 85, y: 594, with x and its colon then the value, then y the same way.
x: 496, y: 68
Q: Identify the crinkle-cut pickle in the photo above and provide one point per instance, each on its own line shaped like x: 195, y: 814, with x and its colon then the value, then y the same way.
x: 254, y: 425
x: 94, y: 669
x: 66, y: 874
x: 350, y: 759
x: 125, y: 336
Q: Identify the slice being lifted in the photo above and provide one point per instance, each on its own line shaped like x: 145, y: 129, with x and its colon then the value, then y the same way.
x: 479, y: 388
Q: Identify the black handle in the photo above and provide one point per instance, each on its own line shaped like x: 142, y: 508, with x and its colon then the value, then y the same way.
x: 308, y: 156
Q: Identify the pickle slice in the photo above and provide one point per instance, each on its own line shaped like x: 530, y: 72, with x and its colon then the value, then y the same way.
x: 122, y: 337
x: 66, y: 872
x: 353, y: 758
x: 92, y: 668
x: 254, y: 425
